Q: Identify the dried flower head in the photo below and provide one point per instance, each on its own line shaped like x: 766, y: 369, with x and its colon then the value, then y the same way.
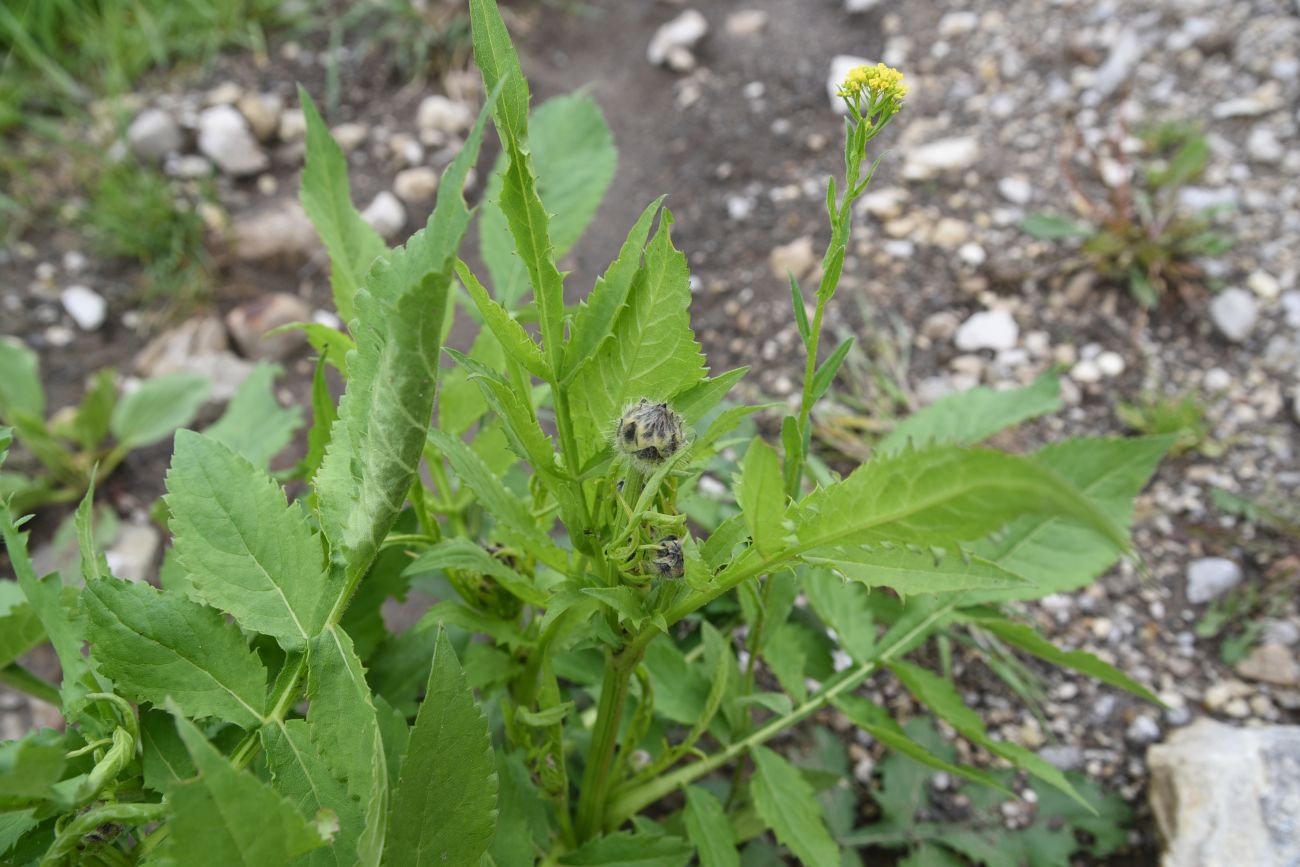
x: 650, y: 432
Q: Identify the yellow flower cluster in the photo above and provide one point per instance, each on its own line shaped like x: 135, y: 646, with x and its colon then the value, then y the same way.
x: 879, y: 82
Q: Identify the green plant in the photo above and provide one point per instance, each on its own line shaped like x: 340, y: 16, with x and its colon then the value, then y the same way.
x: 1183, y: 416
x: 613, y: 646
x: 1059, y: 830
x: 76, y: 444
x: 136, y: 213
x: 1138, y: 235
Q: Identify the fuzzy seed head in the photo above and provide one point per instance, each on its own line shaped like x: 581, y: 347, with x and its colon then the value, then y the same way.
x: 667, y: 559
x: 650, y: 432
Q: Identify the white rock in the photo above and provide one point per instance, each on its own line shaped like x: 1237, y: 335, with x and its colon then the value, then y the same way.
x: 1264, y: 285
x: 797, y: 258
x: 972, y: 254
x: 1234, y: 312
x: 988, y: 329
x: 278, y: 230
x: 682, y: 60
x: 840, y: 66
x: 262, y: 111
x: 200, y: 346
x: 350, y: 136
x: 746, y: 22
x: 1223, y: 795
x: 74, y: 261
x: 854, y: 7
x: 1204, y: 198
x: 949, y: 232
x: 1111, y: 364
x: 251, y: 323
x: 936, y: 157
x: 86, y: 306
x: 683, y: 32
x: 1217, y: 379
x: 188, y: 167
x: 958, y: 23
x: 1125, y: 52
x: 386, y: 215
x: 439, y: 114
x: 1291, y: 307
x: 1263, y: 146
x: 417, y: 185
x: 224, y: 138
x: 1086, y: 372
x: 293, y: 126
x: 132, y: 555
x: 1271, y: 662
x: 153, y: 135
x: 1211, y: 577
x: 884, y: 203
x: 1016, y: 190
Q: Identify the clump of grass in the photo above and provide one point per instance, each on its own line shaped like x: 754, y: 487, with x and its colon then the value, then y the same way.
x: 61, y: 54
x: 136, y: 213
x: 1155, y: 414
x: 1137, y: 235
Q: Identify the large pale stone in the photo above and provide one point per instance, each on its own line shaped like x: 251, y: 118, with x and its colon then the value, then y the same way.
x: 1227, y: 796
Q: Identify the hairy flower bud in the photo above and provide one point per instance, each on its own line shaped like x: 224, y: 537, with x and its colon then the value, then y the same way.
x: 667, y: 559
x: 650, y: 432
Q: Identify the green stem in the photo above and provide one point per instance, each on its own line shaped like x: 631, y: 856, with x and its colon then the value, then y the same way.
x: 636, y: 800
x: 16, y: 677
x: 604, y: 740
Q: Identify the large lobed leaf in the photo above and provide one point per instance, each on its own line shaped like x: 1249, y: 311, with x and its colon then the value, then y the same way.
x: 352, y: 243
x: 973, y: 416
x: 152, y: 412
x: 786, y: 804
x: 444, y: 810
x: 1057, y: 554
x: 651, y: 351
x: 376, y: 442
x: 227, y: 816
x: 941, y: 496
x: 20, y: 628
x: 247, y: 551
x: 158, y: 646
x: 255, y: 424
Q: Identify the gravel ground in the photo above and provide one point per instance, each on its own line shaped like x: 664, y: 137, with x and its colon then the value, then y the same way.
x: 743, y: 142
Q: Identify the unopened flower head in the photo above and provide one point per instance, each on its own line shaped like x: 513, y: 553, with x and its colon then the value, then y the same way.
x: 650, y: 432
x: 667, y: 558
x: 873, y: 90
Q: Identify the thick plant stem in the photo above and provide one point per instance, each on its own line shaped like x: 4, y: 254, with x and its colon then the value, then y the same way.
x: 16, y: 677
x: 604, y: 741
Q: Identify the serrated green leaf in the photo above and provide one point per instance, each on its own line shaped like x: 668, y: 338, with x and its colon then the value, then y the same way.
x: 508, y: 331
x: 375, y: 445
x: 786, y: 804
x: 323, y: 415
x: 911, y: 572
x: 344, y: 726
x: 20, y: 380
x: 971, y: 417
x: 625, y: 849
x: 709, y: 829
x: 651, y: 352
x: 158, y: 645
x: 699, y: 400
x: 526, y: 437
x: 246, y: 550
x: 94, y: 414
x: 523, y: 820
x: 301, y: 776
x: 941, y: 697
x: 762, y: 497
x: 596, y: 315
x: 352, y: 243
x: 14, y: 826
x: 941, y: 496
x: 164, y: 757
x: 1025, y: 638
x: 254, y: 424
x: 29, y: 767
x: 20, y: 628
x: 679, y: 690
x: 800, y: 312
x: 157, y: 408
x: 843, y: 606
x: 444, y: 810
x: 1059, y: 554
x: 45, y: 597
x: 784, y: 653
x: 227, y: 816
x: 574, y: 157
